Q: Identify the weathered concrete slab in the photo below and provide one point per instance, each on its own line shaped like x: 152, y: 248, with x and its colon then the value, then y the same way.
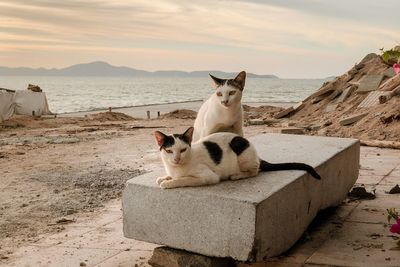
x: 372, y: 99
x: 370, y: 83
x: 352, y: 119
x: 249, y: 219
x: 346, y: 93
x: 292, y: 130
x: 283, y: 113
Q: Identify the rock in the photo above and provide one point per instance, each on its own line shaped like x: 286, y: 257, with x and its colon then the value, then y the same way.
x: 360, y: 192
x: 292, y: 130
x: 325, y: 89
x: 352, y: 119
x: 359, y: 66
x: 368, y: 58
x: 315, y: 127
x: 334, y: 94
x: 394, y: 190
x: 388, y: 95
x: 346, y: 93
x: 372, y: 99
x: 298, y: 106
x: 170, y: 257
x: 389, y: 73
x: 256, y: 122
x: 248, y: 219
x: 288, y: 123
x: 318, y: 99
x: 34, y: 88
x: 390, y: 84
x: 283, y: 113
x: 370, y: 83
x: 331, y: 107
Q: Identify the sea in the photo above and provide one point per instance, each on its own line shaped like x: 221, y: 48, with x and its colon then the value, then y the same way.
x: 73, y: 94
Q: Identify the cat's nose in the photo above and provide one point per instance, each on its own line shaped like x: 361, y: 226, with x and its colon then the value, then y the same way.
x: 177, y: 160
x: 224, y: 102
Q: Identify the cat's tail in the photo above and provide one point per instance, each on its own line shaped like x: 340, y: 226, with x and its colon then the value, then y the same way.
x: 266, y: 167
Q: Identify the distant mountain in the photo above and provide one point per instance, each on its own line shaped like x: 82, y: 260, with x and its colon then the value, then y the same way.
x: 100, y: 68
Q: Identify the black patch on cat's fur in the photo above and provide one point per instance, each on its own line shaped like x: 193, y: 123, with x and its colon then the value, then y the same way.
x: 234, y: 84
x: 214, y: 150
x: 239, y: 144
x: 168, y: 142
x: 183, y: 138
x: 219, y: 82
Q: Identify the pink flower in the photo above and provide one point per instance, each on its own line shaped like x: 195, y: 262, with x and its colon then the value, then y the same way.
x: 395, y: 228
x: 396, y: 68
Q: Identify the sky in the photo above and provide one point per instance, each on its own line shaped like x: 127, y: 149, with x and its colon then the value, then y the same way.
x: 288, y: 38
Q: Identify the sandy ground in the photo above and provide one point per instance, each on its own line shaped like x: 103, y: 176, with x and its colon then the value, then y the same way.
x: 53, y: 168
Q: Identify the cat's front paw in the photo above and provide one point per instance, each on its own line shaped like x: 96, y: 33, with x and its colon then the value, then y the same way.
x: 168, y: 184
x: 164, y: 178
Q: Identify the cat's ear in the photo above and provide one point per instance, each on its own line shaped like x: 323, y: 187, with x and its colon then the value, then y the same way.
x: 217, y: 81
x: 240, y: 80
x: 160, y: 137
x: 188, y: 134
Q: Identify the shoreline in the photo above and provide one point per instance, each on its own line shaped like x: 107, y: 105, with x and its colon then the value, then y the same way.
x: 141, y: 110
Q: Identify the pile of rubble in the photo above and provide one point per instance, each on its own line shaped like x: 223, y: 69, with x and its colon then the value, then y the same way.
x: 34, y: 88
x: 363, y: 103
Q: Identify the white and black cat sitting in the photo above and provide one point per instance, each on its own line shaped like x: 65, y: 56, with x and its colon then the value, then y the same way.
x: 214, y: 158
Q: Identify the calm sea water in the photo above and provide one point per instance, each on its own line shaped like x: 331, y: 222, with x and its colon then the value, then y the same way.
x: 71, y: 94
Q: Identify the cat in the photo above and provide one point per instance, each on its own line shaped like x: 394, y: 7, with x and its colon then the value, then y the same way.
x: 223, y: 111
x: 217, y: 157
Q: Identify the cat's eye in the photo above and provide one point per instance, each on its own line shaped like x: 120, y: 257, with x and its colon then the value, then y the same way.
x: 168, y: 151
x: 232, y: 92
x: 183, y: 150
x: 219, y: 94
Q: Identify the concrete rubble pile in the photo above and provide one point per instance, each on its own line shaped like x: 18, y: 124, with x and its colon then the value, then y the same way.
x: 363, y: 103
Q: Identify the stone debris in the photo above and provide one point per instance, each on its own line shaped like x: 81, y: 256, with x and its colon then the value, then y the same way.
x: 389, y: 72
x: 387, y: 96
x: 283, y: 113
x: 372, y: 99
x: 331, y: 107
x: 346, y: 93
x: 394, y: 190
x: 363, y: 103
x: 352, y: 119
x: 359, y: 192
x: 34, y: 88
x: 257, y: 122
x: 292, y: 130
x: 370, y: 83
x: 391, y: 83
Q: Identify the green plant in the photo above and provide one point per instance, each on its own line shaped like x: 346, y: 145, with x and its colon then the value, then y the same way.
x: 391, y: 56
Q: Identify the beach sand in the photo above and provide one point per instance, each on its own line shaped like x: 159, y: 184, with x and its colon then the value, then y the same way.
x: 54, y: 169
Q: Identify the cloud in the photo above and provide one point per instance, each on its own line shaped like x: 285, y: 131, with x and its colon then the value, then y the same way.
x: 172, y: 34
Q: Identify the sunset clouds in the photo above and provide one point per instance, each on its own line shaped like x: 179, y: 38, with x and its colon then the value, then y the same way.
x: 287, y: 38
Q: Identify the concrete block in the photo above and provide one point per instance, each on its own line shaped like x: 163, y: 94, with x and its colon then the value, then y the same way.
x: 372, y: 99
x: 331, y: 107
x: 292, y: 130
x: 389, y: 73
x: 346, y: 93
x: 256, y: 122
x: 283, y: 113
x: 352, y: 119
x: 249, y: 219
x: 299, y: 106
x: 370, y: 83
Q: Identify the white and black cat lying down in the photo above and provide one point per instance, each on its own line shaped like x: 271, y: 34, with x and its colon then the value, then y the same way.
x: 214, y: 158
